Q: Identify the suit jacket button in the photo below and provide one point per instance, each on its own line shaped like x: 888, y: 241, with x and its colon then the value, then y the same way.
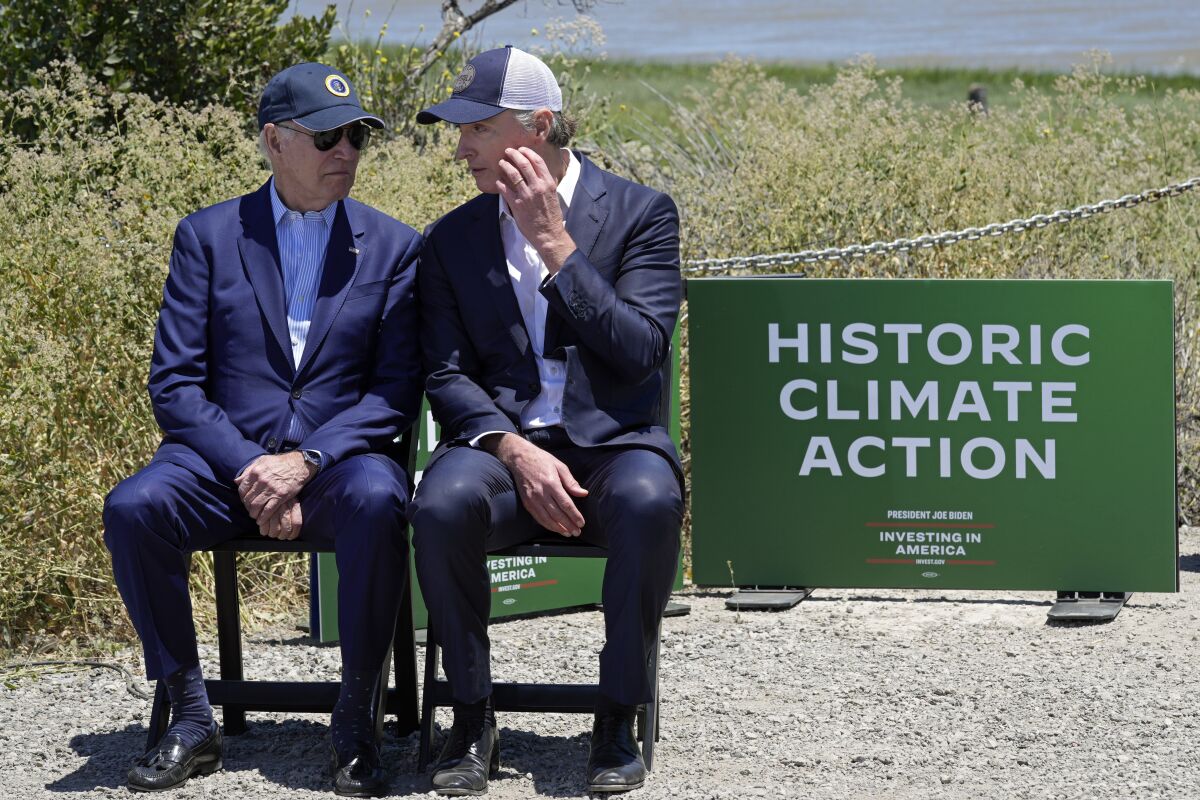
x: 271, y: 443
x: 297, y: 394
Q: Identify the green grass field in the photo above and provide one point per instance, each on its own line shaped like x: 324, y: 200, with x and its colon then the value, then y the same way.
x: 638, y: 84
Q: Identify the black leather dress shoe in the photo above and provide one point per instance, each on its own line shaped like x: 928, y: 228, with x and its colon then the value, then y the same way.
x: 170, y: 763
x: 615, y: 763
x: 360, y: 774
x: 470, y: 755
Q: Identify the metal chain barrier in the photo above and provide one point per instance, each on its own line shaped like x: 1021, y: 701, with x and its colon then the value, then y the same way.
x: 859, y: 251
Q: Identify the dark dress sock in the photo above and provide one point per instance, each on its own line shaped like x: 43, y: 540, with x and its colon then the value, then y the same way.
x: 191, y: 715
x: 352, y: 726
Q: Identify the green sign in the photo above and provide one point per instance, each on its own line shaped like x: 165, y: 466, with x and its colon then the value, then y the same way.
x: 933, y: 434
x: 519, y: 585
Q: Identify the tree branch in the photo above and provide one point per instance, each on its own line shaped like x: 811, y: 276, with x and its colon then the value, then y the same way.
x: 454, y: 24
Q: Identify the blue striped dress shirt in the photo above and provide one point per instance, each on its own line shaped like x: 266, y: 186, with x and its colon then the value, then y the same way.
x: 303, y: 239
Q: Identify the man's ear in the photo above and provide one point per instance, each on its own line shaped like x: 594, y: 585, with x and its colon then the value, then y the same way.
x: 543, y: 121
x: 271, y: 137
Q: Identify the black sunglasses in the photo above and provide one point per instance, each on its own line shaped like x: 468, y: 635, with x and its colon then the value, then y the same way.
x: 357, y: 134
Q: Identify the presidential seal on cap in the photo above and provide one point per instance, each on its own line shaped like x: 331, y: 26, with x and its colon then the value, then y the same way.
x: 316, y: 96
x: 493, y: 81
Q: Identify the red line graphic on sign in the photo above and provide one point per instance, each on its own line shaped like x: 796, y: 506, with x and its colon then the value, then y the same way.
x: 891, y: 561
x: 928, y: 525
x: 530, y: 585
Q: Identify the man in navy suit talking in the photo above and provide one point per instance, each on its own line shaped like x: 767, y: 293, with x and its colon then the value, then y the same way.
x: 547, y: 305
x: 285, y: 364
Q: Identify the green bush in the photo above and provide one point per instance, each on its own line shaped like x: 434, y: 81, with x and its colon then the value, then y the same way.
x: 186, y: 52
x: 91, y: 202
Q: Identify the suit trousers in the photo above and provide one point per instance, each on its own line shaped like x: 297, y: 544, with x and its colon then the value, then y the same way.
x: 467, y: 505
x: 156, y: 518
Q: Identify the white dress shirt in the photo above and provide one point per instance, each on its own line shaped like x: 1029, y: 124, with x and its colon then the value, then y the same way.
x: 527, y: 271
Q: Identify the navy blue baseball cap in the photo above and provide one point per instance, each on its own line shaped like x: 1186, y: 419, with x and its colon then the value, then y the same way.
x: 493, y: 81
x: 316, y: 96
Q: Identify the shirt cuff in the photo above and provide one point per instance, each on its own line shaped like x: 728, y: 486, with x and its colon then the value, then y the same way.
x: 474, y: 442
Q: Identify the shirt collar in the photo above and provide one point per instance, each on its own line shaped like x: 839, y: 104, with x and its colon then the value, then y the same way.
x: 566, y: 187
x: 279, y: 209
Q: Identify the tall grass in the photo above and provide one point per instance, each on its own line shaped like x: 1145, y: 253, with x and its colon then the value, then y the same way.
x: 756, y: 167
x: 761, y: 168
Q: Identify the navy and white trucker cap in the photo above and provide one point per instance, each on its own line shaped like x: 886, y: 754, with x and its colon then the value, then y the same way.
x: 316, y: 96
x: 493, y: 81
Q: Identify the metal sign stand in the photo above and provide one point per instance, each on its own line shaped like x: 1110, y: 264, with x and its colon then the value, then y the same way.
x: 1087, y: 606
x: 767, y: 598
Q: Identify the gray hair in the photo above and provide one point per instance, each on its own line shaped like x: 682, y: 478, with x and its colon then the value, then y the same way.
x: 562, y: 127
x: 262, y: 145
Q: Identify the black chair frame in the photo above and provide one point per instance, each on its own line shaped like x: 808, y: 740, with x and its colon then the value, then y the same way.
x: 569, y: 698
x: 236, y: 695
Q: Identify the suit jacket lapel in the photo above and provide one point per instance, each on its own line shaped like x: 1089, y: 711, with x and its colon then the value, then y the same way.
x: 488, y: 251
x: 342, y: 258
x: 260, y: 258
x: 585, y: 218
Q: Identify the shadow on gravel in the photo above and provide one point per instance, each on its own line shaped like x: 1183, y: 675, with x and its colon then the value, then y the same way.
x: 289, y: 753
x: 108, y: 754
x: 984, y: 601
x: 294, y: 754
x: 557, y: 763
x: 867, y: 598
x: 1190, y: 563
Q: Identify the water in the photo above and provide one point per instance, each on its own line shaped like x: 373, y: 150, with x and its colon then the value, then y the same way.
x: 1141, y: 35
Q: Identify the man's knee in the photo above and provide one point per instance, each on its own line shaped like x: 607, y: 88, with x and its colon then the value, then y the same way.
x: 642, y: 506
x: 137, y: 506
x: 447, y: 511
x: 645, y: 487
x: 374, y: 492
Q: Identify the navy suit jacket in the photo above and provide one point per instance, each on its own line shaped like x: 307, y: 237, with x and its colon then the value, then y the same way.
x: 222, y: 381
x: 612, y: 311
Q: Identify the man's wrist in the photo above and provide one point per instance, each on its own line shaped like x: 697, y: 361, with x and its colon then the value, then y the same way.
x: 313, y: 461
x: 555, y: 253
x: 491, y: 442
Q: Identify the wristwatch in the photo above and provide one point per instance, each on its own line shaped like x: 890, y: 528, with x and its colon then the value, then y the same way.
x: 312, y: 457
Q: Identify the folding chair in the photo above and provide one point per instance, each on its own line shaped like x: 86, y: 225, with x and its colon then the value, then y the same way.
x: 569, y: 698
x: 236, y: 695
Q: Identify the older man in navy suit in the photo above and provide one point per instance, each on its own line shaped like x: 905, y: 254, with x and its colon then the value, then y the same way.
x: 548, y: 303
x: 285, y: 364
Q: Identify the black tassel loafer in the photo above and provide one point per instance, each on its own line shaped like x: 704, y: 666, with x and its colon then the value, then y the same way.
x: 170, y: 763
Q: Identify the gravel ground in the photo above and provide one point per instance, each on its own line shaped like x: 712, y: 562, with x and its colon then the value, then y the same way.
x: 904, y: 694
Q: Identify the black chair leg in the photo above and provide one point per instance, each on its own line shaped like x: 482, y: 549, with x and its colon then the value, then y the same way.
x: 427, y: 707
x: 229, y: 635
x: 160, y: 715
x: 381, y: 695
x: 648, y: 714
x: 404, y: 654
